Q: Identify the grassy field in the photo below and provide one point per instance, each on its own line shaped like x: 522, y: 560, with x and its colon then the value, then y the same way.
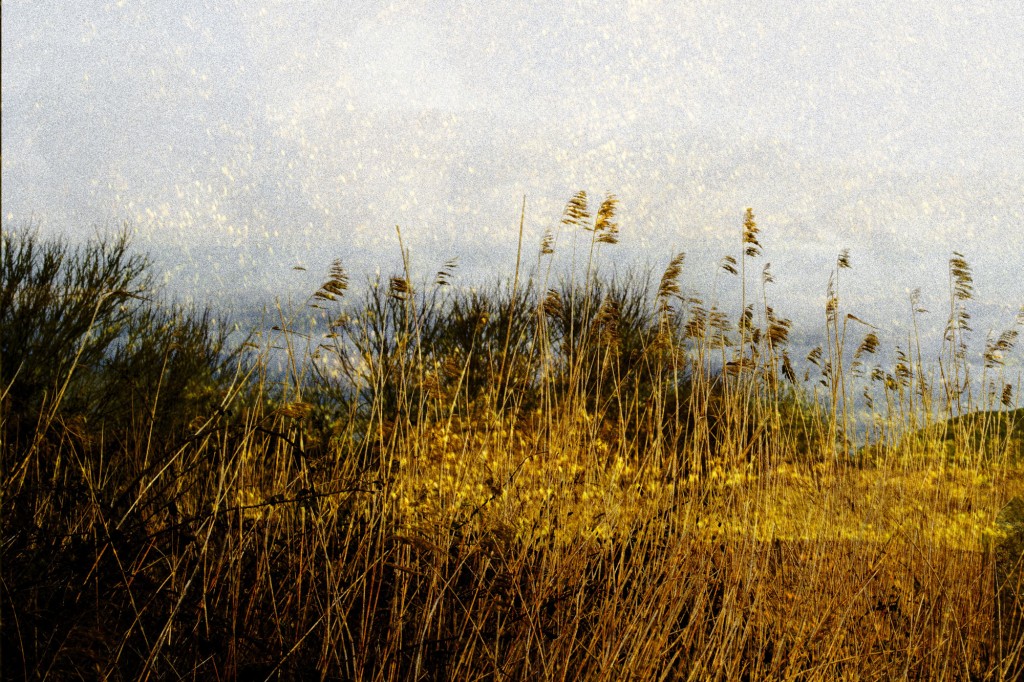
x: 552, y: 478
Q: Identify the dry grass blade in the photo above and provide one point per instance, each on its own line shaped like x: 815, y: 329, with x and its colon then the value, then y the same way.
x: 915, y: 302
x: 740, y: 365
x: 728, y: 263
x: 851, y: 316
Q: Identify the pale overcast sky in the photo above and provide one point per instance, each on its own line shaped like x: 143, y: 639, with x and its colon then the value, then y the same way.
x: 243, y: 138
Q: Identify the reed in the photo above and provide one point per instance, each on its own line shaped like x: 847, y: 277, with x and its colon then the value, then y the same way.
x: 599, y: 477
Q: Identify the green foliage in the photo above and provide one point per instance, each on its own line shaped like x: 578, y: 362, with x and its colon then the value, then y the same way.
x: 993, y: 436
x: 85, y: 342
x: 61, y: 311
x: 94, y: 368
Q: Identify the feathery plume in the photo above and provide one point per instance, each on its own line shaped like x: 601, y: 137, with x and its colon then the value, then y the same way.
x: 444, y: 275
x: 787, y: 368
x: 547, y: 243
x: 752, y: 247
x: 669, y: 286
x: 400, y: 288
x: 605, y: 227
x: 336, y: 284
x: 868, y: 345
x: 960, y: 273
x: 576, y: 213
x: 843, y: 261
x: 553, y: 305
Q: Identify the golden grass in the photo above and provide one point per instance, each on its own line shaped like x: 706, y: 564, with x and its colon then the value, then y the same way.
x: 568, y: 494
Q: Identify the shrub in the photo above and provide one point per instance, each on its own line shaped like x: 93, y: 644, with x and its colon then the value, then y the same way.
x: 93, y: 366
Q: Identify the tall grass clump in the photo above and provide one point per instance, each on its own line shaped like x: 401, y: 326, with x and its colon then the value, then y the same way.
x: 560, y: 475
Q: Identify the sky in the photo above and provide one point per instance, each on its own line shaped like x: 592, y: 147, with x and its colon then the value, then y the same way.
x: 239, y: 140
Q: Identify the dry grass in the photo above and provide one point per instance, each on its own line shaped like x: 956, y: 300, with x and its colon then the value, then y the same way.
x: 547, y: 481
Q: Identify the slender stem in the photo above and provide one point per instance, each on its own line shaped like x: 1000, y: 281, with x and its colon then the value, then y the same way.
x: 502, y: 383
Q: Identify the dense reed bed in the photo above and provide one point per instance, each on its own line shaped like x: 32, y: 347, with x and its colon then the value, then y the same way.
x: 553, y: 477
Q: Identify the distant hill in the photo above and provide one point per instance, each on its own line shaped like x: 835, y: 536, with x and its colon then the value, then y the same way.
x: 994, y: 434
